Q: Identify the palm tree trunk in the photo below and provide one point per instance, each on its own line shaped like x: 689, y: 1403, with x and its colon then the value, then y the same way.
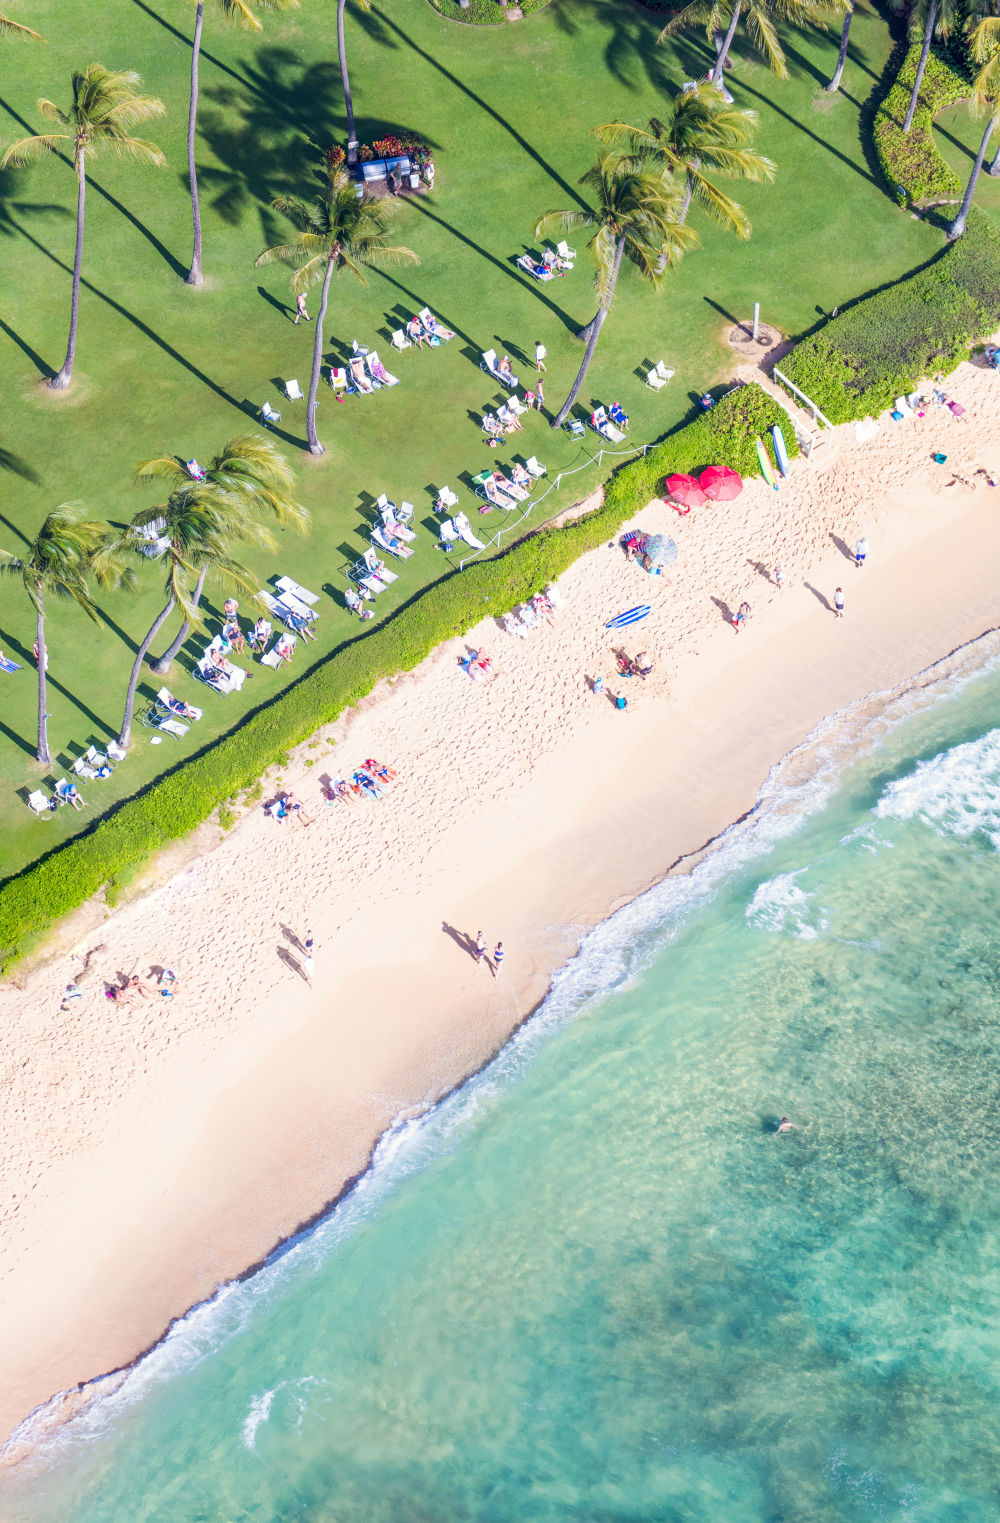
x: 315, y: 448
x: 352, y: 142
x: 43, y: 753
x: 994, y: 168
x: 133, y: 682
x: 688, y: 193
x: 958, y: 226
x: 724, y: 51
x: 61, y: 381
x: 921, y: 66
x: 194, y: 276
x: 595, y: 333
x: 834, y: 84
x: 163, y: 665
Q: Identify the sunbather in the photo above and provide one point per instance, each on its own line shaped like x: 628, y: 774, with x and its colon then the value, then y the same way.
x: 300, y: 625
x: 261, y: 634
x: 376, y: 568
x: 415, y: 331
x: 367, y: 785
x: 491, y: 425
x: 379, y: 371
x: 496, y: 495
x: 379, y: 770
x: 284, y: 648
x: 358, y: 376
x: 181, y: 709
x: 355, y: 605
x: 513, y: 626
x: 509, y: 488
x: 293, y: 807
x: 434, y: 328
x: 339, y: 789
x: 535, y: 268
x: 233, y: 635
x: 522, y: 478
x: 618, y: 415
x: 509, y: 418
x: 218, y: 660
x: 504, y: 367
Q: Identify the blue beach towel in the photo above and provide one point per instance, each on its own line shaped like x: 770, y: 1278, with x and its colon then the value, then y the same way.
x: 7, y: 665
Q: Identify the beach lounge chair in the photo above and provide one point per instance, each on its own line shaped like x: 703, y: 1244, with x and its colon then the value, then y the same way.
x: 516, y: 406
x: 400, y: 530
x: 404, y: 517
x: 464, y: 529
x: 116, y: 752
x: 40, y: 805
x: 338, y: 378
x: 98, y: 759
x: 275, y: 657
x: 258, y: 640
x: 356, y: 348
x: 300, y: 594
x: 268, y: 415
x: 509, y: 487
x: 530, y: 267
x: 432, y: 327
x: 378, y: 372
x: 166, y: 700
x: 575, y: 428
x: 537, y: 470
x: 449, y: 535
x: 223, y: 682
x: 602, y: 424
x: 400, y: 340
x: 446, y: 498
x: 361, y: 381
x: 564, y: 251
x: 489, y: 363
x: 294, y: 392
x: 386, y: 540
x: 156, y: 541
x: 155, y: 719
x: 82, y: 768
x: 62, y: 791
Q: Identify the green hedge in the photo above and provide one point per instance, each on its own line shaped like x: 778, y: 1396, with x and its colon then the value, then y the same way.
x: 913, y: 168
x: 483, y: 12
x: 858, y: 364
x: 174, y: 805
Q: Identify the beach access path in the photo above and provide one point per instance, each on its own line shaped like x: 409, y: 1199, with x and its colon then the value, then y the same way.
x: 151, y: 1154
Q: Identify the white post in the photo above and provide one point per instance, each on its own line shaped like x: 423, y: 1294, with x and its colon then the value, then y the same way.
x: 756, y: 319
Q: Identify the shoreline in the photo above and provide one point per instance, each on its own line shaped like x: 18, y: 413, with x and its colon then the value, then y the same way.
x: 217, y: 1134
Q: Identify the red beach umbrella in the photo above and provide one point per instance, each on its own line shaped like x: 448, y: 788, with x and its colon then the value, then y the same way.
x: 720, y: 483
x: 685, y: 490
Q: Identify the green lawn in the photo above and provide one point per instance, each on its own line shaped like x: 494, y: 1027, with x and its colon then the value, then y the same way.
x: 958, y: 133
x: 507, y: 111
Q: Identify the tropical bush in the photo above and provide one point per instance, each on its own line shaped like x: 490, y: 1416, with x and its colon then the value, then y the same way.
x: 175, y: 804
x: 880, y: 348
x: 913, y: 168
x: 483, y: 12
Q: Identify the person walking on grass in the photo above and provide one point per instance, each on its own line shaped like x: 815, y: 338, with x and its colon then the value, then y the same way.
x: 300, y: 308
x: 860, y: 552
x: 497, y: 959
x: 480, y: 949
x: 838, y: 603
x: 540, y: 353
x: 539, y: 394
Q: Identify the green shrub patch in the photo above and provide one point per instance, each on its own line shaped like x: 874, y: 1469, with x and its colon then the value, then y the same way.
x: 913, y: 168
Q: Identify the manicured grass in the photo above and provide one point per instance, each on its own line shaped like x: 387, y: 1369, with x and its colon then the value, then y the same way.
x: 160, y: 367
x: 958, y: 133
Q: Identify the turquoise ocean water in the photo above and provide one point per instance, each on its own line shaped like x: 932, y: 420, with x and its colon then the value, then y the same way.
x: 594, y: 1284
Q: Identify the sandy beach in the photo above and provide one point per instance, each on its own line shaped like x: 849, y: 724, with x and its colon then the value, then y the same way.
x: 151, y: 1154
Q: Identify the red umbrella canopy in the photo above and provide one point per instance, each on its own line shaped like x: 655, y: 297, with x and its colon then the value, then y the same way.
x: 720, y: 483
x: 685, y: 489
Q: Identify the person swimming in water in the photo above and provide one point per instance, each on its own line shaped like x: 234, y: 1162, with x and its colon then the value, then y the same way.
x: 784, y: 1125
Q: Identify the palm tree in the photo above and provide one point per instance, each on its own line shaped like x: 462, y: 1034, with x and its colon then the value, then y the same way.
x: 704, y: 130
x: 352, y: 141
x: 760, y: 19
x: 938, y: 17
x: 104, y: 112
x: 838, y: 72
x: 63, y: 556
x: 198, y: 540
x: 336, y: 233
x: 636, y: 217
x: 985, y: 50
x: 249, y: 477
x: 9, y: 28
x: 242, y: 12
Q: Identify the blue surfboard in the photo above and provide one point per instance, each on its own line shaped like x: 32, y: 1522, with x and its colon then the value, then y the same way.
x: 631, y: 616
x: 780, y: 452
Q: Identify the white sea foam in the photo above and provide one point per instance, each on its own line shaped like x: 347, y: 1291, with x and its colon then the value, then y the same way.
x: 297, y: 1396
x: 612, y: 953
x: 781, y: 906
x: 956, y: 793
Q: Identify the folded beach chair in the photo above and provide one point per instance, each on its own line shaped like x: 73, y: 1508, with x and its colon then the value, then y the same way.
x: 400, y: 340
x: 433, y: 327
x: 39, y: 804
x: 446, y: 498
x: 82, y: 768
x: 489, y: 364
x: 294, y: 392
x: 564, y: 251
x: 338, y: 378
x: 274, y: 658
x: 464, y: 529
x: 381, y: 537
x: 534, y: 467
x: 378, y: 372
x: 575, y: 428
x: 602, y: 424
x: 268, y: 414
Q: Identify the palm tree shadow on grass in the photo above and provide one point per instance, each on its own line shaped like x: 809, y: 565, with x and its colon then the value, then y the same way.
x: 188, y: 42
x: 8, y: 640
x: 18, y: 466
x: 244, y: 408
x: 631, y: 30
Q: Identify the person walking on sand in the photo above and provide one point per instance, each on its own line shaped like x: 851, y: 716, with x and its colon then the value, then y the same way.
x: 779, y: 578
x: 497, y: 959
x: 480, y: 949
x: 300, y: 308
x: 860, y: 552
x: 540, y: 353
x: 838, y: 603
x: 741, y: 617
x: 307, y: 960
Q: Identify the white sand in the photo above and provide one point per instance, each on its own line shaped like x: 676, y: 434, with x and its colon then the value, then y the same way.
x: 149, y: 1155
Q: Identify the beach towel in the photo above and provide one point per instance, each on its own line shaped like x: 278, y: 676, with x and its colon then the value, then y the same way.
x: 7, y: 665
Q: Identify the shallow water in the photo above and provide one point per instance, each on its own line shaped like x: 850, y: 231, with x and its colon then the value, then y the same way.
x: 595, y: 1284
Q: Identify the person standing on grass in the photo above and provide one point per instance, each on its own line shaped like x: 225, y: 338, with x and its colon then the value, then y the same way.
x: 540, y: 353
x: 497, y: 959
x: 860, y: 552
x: 480, y: 948
x: 838, y: 603
x: 307, y: 960
x: 300, y: 308
x: 539, y: 394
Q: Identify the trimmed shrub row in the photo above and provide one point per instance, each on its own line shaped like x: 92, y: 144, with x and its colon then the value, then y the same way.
x: 483, y: 12
x: 913, y: 168
x: 877, y: 350
x: 175, y: 804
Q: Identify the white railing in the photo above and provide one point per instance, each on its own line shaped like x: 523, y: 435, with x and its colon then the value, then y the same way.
x: 494, y: 541
x: 810, y: 405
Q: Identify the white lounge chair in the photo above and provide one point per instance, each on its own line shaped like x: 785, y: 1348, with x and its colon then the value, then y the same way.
x: 386, y: 508
x: 223, y: 682
x: 62, y: 791
x: 156, y: 541
x: 372, y: 565
x: 526, y: 263
x: 602, y: 424
x: 384, y: 538
x: 446, y: 498
x: 268, y: 414
x: 464, y: 529
x: 300, y: 594
x: 564, y: 251
x: 378, y: 372
x: 535, y: 467
x: 400, y: 340
x: 516, y: 405
x: 338, y: 378
x: 97, y: 758
x: 432, y: 327
x: 360, y: 380
x: 489, y: 364
x: 449, y: 535
x: 294, y: 392
x: 400, y: 530
x: 39, y: 804
x: 116, y: 752
x: 655, y: 379
x: 274, y: 656
x: 356, y: 348
x: 82, y: 768
x: 166, y: 698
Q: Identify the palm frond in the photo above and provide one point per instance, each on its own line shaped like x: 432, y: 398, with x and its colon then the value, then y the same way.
x: 562, y: 222
x: 28, y: 149
x: 10, y: 29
